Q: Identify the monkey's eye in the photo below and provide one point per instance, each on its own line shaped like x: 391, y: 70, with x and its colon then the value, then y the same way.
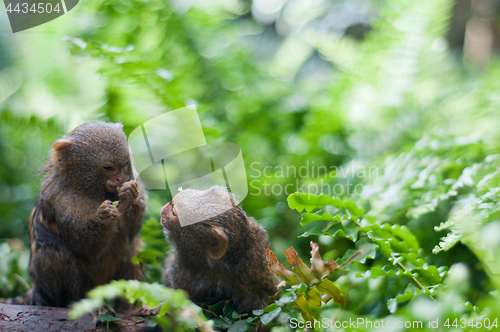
x: 108, y: 168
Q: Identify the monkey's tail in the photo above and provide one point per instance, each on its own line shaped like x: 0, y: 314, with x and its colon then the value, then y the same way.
x: 21, y: 299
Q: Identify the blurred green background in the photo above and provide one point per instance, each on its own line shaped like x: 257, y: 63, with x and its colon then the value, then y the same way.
x: 407, y: 89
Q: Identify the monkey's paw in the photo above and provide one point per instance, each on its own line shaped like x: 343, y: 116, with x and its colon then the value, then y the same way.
x: 129, y: 191
x: 107, y: 211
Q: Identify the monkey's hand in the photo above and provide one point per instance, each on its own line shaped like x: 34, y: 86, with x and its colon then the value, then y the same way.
x: 107, y: 211
x: 129, y: 191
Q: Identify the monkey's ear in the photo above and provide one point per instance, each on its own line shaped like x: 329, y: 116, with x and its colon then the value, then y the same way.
x: 219, y: 246
x: 61, y: 146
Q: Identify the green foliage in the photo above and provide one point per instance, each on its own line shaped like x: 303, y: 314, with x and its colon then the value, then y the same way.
x: 144, y: 257
x: 310, y: 286
x: 224, y: 316
x: 175, y: 311
x: 14, y: 259
x: 398, y: 258
x: 105, y: 318
x: 445, y: 191
x: 396, y: 243
x: 291, y: 93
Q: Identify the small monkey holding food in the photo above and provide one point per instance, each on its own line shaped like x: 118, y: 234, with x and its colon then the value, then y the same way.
x: 222, y: 255
x: 78, y: 238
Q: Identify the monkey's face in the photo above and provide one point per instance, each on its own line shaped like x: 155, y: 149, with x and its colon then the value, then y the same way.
x: 94, y: 157
x: 169, y: 217
x: 209, y: 238
x: 115, y: 175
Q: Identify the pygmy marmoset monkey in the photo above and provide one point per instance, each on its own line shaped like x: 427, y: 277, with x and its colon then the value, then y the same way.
x: 78, y: 238
x: 224, y: 255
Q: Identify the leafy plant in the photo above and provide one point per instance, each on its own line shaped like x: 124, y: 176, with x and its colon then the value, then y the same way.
x: 14, y: 260
x: 175, y: 311
x: 310, y: 286
x: 398, y: 247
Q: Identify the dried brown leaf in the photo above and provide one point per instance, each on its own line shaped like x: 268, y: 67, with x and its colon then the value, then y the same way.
x: 317, y: 265
x: 331, y: 265
x: 278, y: 269
x: 299, y: 267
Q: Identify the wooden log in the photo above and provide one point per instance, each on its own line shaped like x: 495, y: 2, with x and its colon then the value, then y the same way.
x: 27, y: 318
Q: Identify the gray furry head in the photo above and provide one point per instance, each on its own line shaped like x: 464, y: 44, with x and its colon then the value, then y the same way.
x: 193, y: 206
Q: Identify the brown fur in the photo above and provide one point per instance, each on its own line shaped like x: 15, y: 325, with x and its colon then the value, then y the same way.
x: 240, y: 274
x: 78, y: 239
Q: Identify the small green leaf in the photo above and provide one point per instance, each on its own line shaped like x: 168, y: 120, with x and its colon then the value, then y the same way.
x: 147, y: 257
x: 309, y: 202
x: 115, y: 203
x: 310, y: 217
x: 392, y: 304
x: 284, y: 300
x: 258, y: 312
x: 108, y: 318
x: 430, y: 274
x: 403, y: 233
x: 239, y: 326
x: 312, y: 231
x: 351, y: 207
x: 348, y: 232
x: 406, y: 296
x: 221, y: 324
x: 236, y: 315
x: 267, y: 318
x: 376, y: 272
x: 364, y: 250
x: 270, y: 307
